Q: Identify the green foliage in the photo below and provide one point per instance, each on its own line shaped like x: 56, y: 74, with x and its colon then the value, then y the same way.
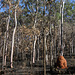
x: 58, y: 16
x: 29, y: 7
x: 69, y: 12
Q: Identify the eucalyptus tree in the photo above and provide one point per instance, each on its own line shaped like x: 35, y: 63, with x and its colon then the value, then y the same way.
x: 35, y: 37
x: 68, y: 14
x: 5, y: 4
x: 9, y: 6
x: 44, y: 39
x: 16, y: 6
x: 61, y: 31
x: 7, y: 21
x: 50, y: 34
x: 27, y: 12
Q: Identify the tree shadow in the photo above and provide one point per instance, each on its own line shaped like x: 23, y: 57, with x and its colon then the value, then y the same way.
x: 55, y: 71
x: 71, y: 70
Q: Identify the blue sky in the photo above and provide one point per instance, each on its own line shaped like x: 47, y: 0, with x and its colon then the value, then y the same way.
x: 2, y: 9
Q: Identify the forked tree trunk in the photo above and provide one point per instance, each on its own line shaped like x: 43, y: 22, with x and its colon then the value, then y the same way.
x: 13, y: 40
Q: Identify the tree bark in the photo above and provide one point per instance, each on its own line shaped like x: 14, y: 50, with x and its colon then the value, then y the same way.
x: 61, y: 33
x: 35, y: 37
x: 72, y: 40
x: 13, y: 40
x: 50, y: 46
x: 54, y: 43
x: 34, y: 52
x: 44, y: 50
x: 38, y: 48
x: 8, y: 20
x: 4, y: 49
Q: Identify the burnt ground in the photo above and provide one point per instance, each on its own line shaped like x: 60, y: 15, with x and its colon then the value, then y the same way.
x: 24, y: 68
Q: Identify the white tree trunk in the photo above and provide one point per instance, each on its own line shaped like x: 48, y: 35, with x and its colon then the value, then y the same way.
x: 34, y: 51
x: 61, y: 31
x: 13, y: 40
x: 35, y: 37
x: 8, y: 20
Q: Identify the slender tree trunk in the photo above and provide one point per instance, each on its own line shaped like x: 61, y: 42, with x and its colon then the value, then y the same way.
x: 34, y: 51
x: 55, y: 33
x: 50, y: 47
x: 50, y: 36
x: 8, y: 20
x: 72, y: 40
x: 60, y: 27
x: 34, y: 42
x: 17, y: 43
x: 38, y: 48
x: 44, y: 40
x: 13, y: 40
x: 72, y: 46
x: 31, y: 61
x: 4, y: 49
x: 35, y: 37
x: 62, y: 7
x: 44, y: 50
x: 54, y: 43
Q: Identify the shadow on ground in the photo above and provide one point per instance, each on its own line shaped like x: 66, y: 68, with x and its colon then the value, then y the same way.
x: 70, y: 70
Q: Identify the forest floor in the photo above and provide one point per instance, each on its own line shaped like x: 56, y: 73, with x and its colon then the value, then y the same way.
x: 38, y: 70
